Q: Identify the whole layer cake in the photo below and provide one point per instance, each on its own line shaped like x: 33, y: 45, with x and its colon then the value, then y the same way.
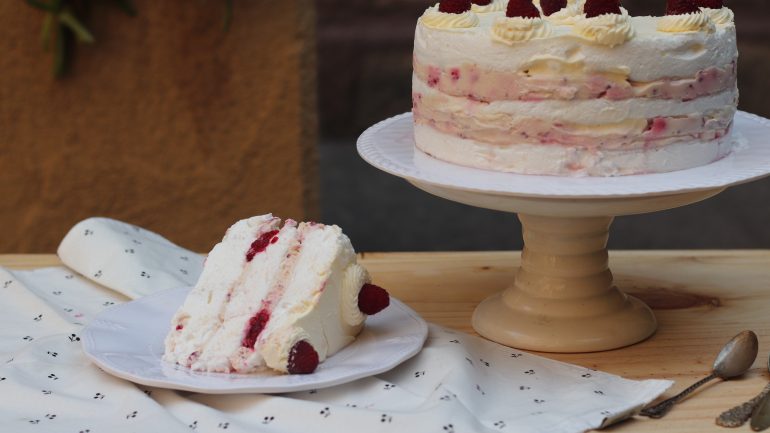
x: 574, y: 89
x: 283, y: 297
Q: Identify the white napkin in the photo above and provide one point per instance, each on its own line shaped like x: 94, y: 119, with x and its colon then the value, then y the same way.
x: 458, y: 383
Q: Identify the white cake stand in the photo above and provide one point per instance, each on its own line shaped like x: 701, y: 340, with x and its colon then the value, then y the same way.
x: 563, y: 298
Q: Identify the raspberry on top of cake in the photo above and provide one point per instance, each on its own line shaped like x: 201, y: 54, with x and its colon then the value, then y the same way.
x: 284, y: 297
x: 575, y: 87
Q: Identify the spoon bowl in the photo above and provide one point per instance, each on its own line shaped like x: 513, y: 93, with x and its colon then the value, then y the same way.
x: 737, y: 356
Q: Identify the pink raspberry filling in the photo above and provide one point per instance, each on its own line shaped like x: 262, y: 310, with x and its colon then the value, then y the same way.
x: 255, y: 327
x: 261, y: 244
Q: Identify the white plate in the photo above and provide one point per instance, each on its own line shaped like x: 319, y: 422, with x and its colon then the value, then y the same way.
x: 389, y: 146
x: 127, y: 341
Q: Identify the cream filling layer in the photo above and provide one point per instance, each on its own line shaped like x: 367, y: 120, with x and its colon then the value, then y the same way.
x: 587, y: 111
x: 552, y: 79
x: 629, y: 134
x: 565, y: 161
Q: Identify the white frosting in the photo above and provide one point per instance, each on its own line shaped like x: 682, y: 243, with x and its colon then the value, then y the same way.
x: 306, y: 280
x: 568, y: 15
x: 440, y: 20
x: 721, y: 17
x: 354, y: 277
x: 607, y: 29
x: 565, y: 161
x: 684, y: 23
x: 517, y: 29
x: 595, y: 111
x: 650, y: 55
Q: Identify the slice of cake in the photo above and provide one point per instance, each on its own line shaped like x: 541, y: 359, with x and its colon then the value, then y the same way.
x: 574, y: 87
x: 284, y: 297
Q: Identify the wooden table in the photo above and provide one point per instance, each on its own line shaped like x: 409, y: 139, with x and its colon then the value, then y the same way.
x: 701, y: 299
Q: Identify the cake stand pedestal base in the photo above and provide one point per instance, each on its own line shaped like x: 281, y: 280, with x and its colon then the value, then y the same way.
x: 563, y: 298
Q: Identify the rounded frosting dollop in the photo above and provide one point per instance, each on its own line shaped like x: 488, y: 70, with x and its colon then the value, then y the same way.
x: 517, y: 29
x: 353, y: 279
x: 607, y: 29
x: 441, y: 20
x: 567, y: 15
x: 493, y: 6
x: 684, y: 23
x: 721, y: 17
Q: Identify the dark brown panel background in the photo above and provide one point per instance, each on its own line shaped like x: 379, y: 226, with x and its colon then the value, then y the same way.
x: 167, y: 122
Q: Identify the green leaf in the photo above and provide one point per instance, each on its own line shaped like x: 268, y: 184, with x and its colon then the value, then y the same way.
x: 53, y: 7
x: 228, y: 19
x: 127, y: 6
x: 67, y: 18
x: 45, y: 34
x: 61, y: 52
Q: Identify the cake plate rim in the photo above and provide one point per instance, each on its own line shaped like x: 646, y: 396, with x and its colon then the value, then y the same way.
x: 389, y: 146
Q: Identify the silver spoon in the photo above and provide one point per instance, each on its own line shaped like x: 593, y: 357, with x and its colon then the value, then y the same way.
x: 733, y: 360
x: 738, y: 415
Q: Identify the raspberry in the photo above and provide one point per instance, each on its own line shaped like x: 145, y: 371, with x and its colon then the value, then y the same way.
x: 481, y: 2
x: 254, y: 328
x: 454, y: 6
x: 681, y: 7
x: 260, y: 244
x: 551, y: 6
x: 711, y: 4
x: 303, y: 359
x: 372, y: 299
x: 521, y: 8
x: 594, y: 8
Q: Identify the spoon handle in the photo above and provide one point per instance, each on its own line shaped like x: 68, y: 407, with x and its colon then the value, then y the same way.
x: 738, y: 415
x: 662, y: 408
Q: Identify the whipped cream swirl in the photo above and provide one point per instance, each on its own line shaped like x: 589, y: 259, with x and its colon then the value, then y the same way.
x: 607, y: 29
x: 493, y: 6
x: 685, y: 23
x: 721, y: 17
x: 517, y: 29
x: 567, y: 15
x: 441, y: 20
x: 353, y: 279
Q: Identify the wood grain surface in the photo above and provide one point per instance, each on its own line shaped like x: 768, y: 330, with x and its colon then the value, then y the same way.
x: 701, y: 299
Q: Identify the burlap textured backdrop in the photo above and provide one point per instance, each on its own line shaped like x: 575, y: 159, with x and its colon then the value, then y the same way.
x: 167, y: 122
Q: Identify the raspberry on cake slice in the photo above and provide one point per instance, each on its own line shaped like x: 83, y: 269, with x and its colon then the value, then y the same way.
x: 550, y: 7
x: 454, y: 6
x: 711, y: 4
x: 522, y: 9
x: 681, y: 7
x: 282, y: 297
x: 594, y: 8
